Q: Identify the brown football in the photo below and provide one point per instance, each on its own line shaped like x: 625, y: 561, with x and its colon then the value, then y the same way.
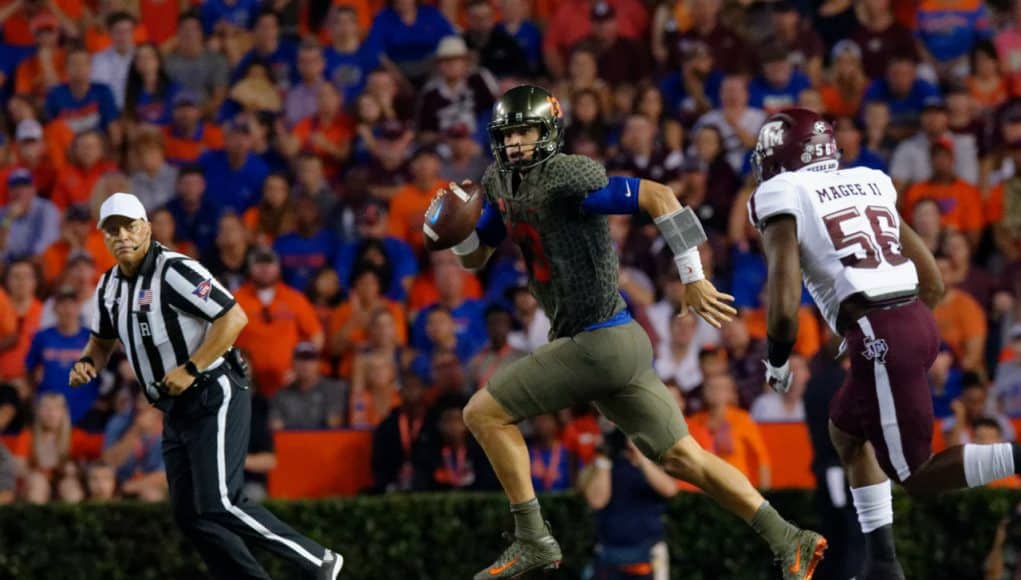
x: 452, y: 215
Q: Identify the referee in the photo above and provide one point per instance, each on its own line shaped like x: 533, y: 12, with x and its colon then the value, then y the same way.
x: 177, y: 325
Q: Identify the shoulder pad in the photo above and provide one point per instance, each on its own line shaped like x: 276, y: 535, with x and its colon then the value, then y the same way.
x: 575, y: 175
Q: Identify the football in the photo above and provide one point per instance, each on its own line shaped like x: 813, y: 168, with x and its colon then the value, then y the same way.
x: 452, y: 215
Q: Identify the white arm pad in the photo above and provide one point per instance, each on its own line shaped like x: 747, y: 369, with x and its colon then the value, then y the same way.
x: 467, y: 246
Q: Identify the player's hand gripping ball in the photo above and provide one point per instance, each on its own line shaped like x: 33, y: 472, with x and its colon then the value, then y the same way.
x: 452, y: 215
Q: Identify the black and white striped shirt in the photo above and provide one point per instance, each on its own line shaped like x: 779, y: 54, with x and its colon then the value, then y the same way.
x: 160, y: 315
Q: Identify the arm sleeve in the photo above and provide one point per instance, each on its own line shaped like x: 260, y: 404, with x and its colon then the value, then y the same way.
x: 772, y: 198
x: 620, y: 196
x: 490, y: 228
x: 190, y: 288
x: 102, y: 323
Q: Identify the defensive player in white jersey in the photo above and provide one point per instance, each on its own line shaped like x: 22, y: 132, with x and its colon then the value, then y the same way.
x: 872, y: 278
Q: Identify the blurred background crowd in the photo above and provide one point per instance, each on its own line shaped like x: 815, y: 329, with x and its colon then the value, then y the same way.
x: 293, y: 146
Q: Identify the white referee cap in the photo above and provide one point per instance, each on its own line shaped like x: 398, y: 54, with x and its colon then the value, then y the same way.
x: 122, y: 204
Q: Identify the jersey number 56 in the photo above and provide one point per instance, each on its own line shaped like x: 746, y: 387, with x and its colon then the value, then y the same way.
x: 883, y: 240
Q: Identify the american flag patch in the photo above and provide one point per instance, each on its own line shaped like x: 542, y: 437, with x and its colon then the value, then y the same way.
x: 145, y: 297
x: 203, y: 289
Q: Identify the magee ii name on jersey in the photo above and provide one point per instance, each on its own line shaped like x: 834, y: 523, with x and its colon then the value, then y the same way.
x: 848, y: 232
x: 572, y: 266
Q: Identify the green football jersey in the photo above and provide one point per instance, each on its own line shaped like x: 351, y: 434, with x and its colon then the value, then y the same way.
x: 572, y: 266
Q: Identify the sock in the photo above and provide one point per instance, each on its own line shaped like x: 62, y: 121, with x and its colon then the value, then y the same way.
x: 879, y: 545
x: 985, y: 463
x: 772, y: 527
x: 874, y: 504
x: 528, y: 522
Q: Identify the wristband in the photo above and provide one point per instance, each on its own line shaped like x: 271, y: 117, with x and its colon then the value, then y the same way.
x: 689, y: 265
x: 603, y: 463
x: 779, y: 351
x: 191, y: 368
x: 88, y: 359
x: 467, y: 246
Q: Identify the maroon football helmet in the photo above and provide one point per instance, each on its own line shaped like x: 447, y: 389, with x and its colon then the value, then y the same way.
x: 791, y: 139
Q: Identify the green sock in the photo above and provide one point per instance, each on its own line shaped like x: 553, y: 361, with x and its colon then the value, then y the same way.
x: 528, y: 522
x: 772, y: 527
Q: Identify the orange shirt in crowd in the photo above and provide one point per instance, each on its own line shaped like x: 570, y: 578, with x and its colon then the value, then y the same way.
x: 702, y: 436
x: 273, y: 331
x: 582, y: 436
x: 838, y: 105
x: 338, y: 132
x: 738, y: 438
x: 809, y: 339
x: 988, y: 98
x: 959, y: 319
x: 58, y: 135
x: 960, y: 203
x: 992, y: 208
x: 340, y: 316
x: 84, y: 445
x: 18, y: 32
x: 28, y: 79
x: 75, y: 183
x: 407, y: 212
x: 182, y: 149
x: 12, y: 360
x: 54, y: 259
x: 159, y: 18
x: 44, y: 175
x: 424, y: 293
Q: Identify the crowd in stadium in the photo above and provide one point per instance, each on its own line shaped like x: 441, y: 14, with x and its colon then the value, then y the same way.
x: 293, y: 147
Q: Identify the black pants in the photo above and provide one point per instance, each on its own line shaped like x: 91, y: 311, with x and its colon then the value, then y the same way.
x: 205, y: 440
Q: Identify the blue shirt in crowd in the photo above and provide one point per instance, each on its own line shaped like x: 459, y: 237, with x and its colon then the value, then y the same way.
x: 348, y: 71
x: 906, y: 108
x: 763, y: 95
x: 233, y: 189
x: 237, y: 13
x: 398, y: 254
x: 403, y: 43
x: 301, y: 257
x: 95, y: 110
x: 56, y: 353
x: 148, y: 459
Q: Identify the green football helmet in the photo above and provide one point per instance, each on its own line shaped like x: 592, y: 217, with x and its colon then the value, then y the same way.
x: 527, y: 105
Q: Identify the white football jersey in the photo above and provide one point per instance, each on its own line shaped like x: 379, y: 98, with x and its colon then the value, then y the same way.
x: 848, y: 232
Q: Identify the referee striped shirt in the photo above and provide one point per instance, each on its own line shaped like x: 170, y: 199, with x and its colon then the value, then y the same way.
x: 161, y: 314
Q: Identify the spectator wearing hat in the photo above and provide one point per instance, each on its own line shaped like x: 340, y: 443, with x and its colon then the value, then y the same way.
x: 457, y: 94
x: 516, y: 24
x: 621, y: 59
x: 881, y: 38
x: 842, y: 94
x: 39, y: 73
x: 87, y: 164
x: 78, y: 235
x: 498, y: 51
x: 80, y: 102
x: 911, y: 161
x: 30, y: 152
x: 28, y: 224
x: 191, y: 65
x: 195, y: 215
x: 155, y: 180
x: 188, y: 137
x: 779, y: 85
x: 307, y: 249
x: 55, y: 349
x: 349, y: 59
x: 408, y: 205
x: 408, y: 33
x: 802, y: 44
x: 568, y: 27
x: 279, y: 317
x: 693, y: 88
x: 372, y: 225
x: 311, y: 401
x: 848, y: 133
x: 905, y: 93
x: 18, y: 324
x: 465, y: 159
x: 110, y: 66
x: 234, y: 174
